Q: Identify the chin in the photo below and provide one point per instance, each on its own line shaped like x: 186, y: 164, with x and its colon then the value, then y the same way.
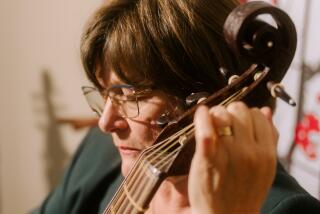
x: 127, y: 164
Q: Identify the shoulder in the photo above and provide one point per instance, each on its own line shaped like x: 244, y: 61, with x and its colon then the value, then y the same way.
x: 94, y: 167
x: 287, y: 196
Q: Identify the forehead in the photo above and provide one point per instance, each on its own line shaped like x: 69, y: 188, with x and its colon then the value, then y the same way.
x: 107, y: 78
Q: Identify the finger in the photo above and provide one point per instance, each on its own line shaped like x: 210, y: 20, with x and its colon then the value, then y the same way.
x: 204, y: 134
x: 267, y: 112
x: 266, y: 143
x: 221, y: 119
x: 261, y: 125
x: 241, y: 122
x: 201, y: 175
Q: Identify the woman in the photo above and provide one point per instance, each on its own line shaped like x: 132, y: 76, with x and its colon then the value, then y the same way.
x: 171, y: 49
x: 145, y: 57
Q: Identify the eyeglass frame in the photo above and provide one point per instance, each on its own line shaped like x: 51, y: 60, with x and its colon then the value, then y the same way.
x: 104, y: 94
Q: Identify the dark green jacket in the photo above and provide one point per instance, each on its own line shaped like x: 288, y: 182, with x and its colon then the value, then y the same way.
x: 94, y: 175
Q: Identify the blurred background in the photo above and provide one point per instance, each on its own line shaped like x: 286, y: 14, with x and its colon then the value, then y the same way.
x: 41, y: 76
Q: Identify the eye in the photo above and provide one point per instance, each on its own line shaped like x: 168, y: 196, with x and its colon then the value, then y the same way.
x: 115, y: 91
x: 121, y: 93
x: 127, y: 91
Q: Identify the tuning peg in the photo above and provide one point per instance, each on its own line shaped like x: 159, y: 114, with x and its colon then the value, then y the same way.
x: 232, y: 79
x: 277, y: 90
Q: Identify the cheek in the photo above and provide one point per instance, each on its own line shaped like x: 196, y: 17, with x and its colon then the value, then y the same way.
x: 152, y: 108
x: 154, y: 132
x: 145, y: 133
x: 145, y: 125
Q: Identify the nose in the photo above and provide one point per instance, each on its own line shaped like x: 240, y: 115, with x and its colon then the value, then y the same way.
x: 110, y: 120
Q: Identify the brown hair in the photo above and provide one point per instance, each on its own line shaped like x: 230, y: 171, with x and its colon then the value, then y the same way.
x: 174, y: 45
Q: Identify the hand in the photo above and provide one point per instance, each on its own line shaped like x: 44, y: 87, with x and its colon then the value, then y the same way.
x: 232, y: 173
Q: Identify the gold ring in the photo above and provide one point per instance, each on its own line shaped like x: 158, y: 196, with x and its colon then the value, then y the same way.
x: 224, y: 131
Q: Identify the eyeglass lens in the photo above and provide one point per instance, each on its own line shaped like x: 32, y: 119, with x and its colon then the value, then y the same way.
x: 122, y: 97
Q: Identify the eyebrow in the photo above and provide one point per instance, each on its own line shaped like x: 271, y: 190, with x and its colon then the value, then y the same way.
x: 106, y: 84
x: 112, y: 83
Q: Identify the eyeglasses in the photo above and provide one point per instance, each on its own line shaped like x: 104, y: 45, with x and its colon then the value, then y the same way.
x: 124, y: 97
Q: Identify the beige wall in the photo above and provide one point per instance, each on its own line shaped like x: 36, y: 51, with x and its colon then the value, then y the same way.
x: 39, y: 43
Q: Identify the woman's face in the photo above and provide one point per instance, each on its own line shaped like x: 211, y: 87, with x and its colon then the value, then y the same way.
x: 132, y: 135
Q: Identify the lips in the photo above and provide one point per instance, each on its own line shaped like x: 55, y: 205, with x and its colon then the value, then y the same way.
x: 125, y: 150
